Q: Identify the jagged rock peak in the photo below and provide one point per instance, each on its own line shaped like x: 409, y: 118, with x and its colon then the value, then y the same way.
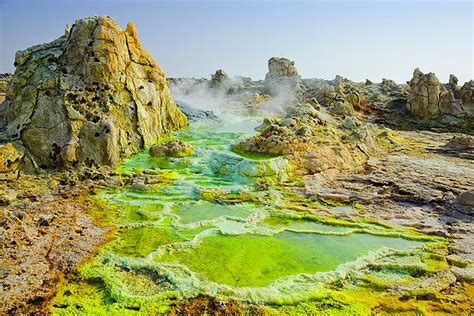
x: 92, y: 96
x: 281, y: 68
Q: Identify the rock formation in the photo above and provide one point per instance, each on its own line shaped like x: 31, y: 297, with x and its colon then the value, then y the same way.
x: 281, y: 68
x: 4, y: 78
x: 429, y: 99
x: 282, y: 74
x: 219, y: 79
x: 257, y: 99
x: 242, y: 170
x: 466, y: 94
x: 338, y: 99
x: 92, y: 96
x: 453, y: 86
x: 174, y: 148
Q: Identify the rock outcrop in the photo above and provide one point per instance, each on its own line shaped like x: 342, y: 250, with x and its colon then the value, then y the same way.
x: 428, y: 98
x: 309, y: 137
x: 92, y: 96
x: 4, y: 79
x: 219, y: 79
x: 465, y: 202
x: 282, y: 75
x: 466, y: 94
x: 281, y: 68
x: 338, y: 99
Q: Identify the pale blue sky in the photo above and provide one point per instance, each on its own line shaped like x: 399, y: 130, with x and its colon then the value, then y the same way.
x: 357, y: 39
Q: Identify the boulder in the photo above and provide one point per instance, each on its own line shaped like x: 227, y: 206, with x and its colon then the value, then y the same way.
x: 174, y: 148
x: 461, y: 143
x: 92, y: 96
x: 339, y: 98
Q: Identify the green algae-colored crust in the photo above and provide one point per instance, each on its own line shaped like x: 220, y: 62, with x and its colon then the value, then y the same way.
x: 200, y: 233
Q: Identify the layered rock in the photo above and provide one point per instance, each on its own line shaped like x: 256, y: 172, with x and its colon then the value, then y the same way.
x: 92, y: 96
x: 428, y: 98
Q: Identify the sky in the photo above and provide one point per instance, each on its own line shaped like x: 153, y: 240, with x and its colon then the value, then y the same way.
x: 355, y: 39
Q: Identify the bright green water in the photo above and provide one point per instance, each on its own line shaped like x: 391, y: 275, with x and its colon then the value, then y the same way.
x: 201, y: 211
x: 303, y: 225
x: 255, y: 260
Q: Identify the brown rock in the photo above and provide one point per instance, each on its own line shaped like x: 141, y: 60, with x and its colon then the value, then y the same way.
x: 174, y: 148
x: 429, y: 99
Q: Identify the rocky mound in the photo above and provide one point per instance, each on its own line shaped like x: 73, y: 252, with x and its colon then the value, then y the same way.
x: 92, y: 96
x: 313, y: 140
